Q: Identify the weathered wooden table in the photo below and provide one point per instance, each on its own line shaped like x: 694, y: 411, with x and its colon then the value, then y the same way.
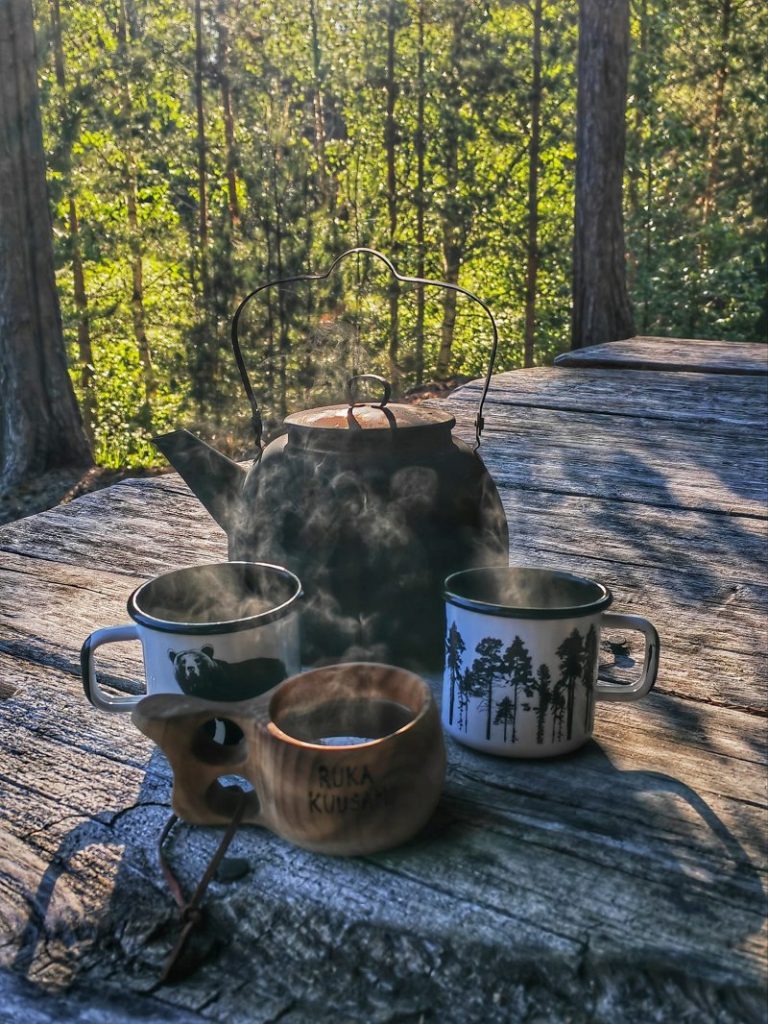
x: 668, y: 354
x: 625, y: 883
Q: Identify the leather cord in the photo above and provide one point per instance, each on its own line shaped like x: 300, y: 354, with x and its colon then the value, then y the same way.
x: 191, y: 912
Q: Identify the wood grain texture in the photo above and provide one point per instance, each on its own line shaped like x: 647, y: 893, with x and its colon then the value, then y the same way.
x: 662, y: 494
x: 623, y: 884
x: 671, y: 354
x: 542, y: 883
x: 701, y: 400
x: 346, y: 799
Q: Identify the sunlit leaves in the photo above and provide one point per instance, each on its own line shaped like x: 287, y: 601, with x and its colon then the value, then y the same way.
x: 309, y: 173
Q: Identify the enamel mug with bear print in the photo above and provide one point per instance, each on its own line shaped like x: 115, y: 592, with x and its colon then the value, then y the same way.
x: 224, y: 632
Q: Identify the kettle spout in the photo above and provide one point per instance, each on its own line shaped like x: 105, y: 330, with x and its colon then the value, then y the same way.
x: 214, y: 479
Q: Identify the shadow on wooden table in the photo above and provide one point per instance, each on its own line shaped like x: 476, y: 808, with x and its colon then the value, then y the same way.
x: 655, y: 847
x: 132, y: 832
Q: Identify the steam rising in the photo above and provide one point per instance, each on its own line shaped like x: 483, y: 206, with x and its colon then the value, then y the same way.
x: 217, y: 593
x: 372, y: 539
x: 524, y: 589
x: 347, y: 704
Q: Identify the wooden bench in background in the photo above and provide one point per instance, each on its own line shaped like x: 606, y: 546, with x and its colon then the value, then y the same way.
x: 672, y: 354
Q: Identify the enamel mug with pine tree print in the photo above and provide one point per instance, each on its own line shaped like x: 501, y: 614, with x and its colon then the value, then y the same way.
x: 521, y: 660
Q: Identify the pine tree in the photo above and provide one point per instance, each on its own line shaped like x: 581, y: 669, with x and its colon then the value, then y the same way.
x: 571, y: 655
x: 454, y: 648
x: 485, y: 670
x: 590, y: 675
x: 505, y: 712
x: 518, y: 671
x: 542, y: 687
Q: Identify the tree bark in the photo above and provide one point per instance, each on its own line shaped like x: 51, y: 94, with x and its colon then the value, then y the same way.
x: 420, y: 145
x: 40, y: 424
x: 601, y: 308
x: 390, y: 146
x: 233, y: 204
x: 135, y: 242
x: 532, y: 247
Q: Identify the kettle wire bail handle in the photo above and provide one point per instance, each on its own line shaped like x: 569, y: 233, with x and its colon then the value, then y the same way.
x: 359, y: 250
x: 385, y: 386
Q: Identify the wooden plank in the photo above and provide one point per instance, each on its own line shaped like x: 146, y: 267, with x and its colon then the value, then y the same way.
x: 628, y: 879
x: 699, y: 399
x: 672, y: 354
x: 138, y: 527
x: 702, y: 573
x: 665, y: 465
x: 544, y: 888
x: 48, y: 609
x: 700, y: 578
x: 23, y: 1001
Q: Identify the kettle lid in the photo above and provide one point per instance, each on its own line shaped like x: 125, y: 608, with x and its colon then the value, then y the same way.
x: 368, y: 424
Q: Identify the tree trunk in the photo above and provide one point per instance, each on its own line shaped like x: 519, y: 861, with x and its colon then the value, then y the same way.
x: 601, y: 309
x: 284, y: 339
x: 419, y: 199
x: 390, y: 146
x: 135, y: 242
x: 452, y: 265
x: 641, y: 203
x: 202, y: 158
x: 68, y: 121
x: 233, y: 204
x: 84, y: 347
x: 40, y: 424
x: 721, y: 77
x: 454, y: 218
x: 532, y: 247
x: 318, y: 102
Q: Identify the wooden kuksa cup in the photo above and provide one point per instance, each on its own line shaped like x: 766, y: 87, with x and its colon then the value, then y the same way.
x: 345, y: 759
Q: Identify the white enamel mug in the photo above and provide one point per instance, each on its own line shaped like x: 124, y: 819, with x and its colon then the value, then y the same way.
x: 521, y: 659
x: 226, y: 631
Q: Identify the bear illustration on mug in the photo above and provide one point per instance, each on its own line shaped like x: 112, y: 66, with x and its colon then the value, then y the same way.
x: 200, y: 673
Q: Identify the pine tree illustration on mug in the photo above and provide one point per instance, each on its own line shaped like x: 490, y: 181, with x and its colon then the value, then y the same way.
x: 590, y: 675
x: 465, y: 692
x: 485, y: 670
x: 454, y: 648
x: 542, y: 687
x: 510, y: 669
x: 571, y: 655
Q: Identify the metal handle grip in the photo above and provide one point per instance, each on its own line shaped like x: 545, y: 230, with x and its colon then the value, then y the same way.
x: 93, y: 691
x: 607, y: 690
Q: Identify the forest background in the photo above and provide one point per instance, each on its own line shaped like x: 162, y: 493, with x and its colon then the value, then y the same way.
x: 197, y: 150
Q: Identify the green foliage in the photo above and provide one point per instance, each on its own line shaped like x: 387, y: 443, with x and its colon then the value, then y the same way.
x: 289, y: 130
x: 695, y: 169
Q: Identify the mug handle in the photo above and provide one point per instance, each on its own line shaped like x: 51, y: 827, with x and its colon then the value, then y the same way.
x: 93, y: 691
x: 607, y: 690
